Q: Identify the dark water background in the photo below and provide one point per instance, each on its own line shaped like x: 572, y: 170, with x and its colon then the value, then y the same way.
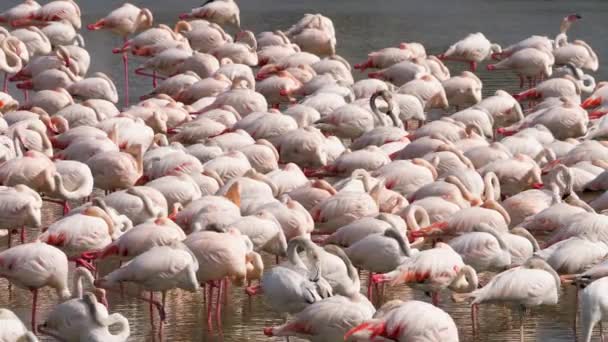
x: 362, y: 26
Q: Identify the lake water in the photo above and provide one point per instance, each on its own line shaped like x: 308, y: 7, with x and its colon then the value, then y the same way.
x: 361, y: 26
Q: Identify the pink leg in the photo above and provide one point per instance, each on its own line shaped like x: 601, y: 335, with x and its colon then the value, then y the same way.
x: 204, y: 293
x: 5, y: 86
x: 521, y: 81
x: 218, y: 305
x: 435, y: 298
x: 26, y: 95
x: 226, y: 289
x: 34, y: 305
x: 474, y: 309
x: 151, y: 308
x: 473, y: 66
x: 66, y: 207
x: 125, y: 62
x: 23, y: 237
x: 154, y: 79
x: 209, y: 306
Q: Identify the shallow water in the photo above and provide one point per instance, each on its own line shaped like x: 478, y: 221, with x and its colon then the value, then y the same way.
x: 361, y: 26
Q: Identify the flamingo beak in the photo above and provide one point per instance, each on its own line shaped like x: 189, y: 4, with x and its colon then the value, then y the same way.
x: 591, y: 102
x: 538, y: 185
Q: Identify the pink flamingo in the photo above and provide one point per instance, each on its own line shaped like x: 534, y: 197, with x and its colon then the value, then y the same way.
x: 33, y: 266
x: 125, y: 21
x: 406, y: 321
x: 433, y: 270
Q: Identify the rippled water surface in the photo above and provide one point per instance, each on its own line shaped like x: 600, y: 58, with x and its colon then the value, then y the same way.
x: 361, y: 26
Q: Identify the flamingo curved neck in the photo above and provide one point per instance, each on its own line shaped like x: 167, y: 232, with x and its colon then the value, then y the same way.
x: 466, y: 281
x: 11, y: 63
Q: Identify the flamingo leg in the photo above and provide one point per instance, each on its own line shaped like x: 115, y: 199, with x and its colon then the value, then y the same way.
x: 218, y: 305
x: 154, y: 79
x: 522, y: 313
x: 369, y: 285
x: 23, y: 237
x: 601, y: 332
x: 473, y: 66
x: 575, y: 311
x: 5, y: 85
x: 435, y: 298
x: 125, y: 62
x: 474, y: 309
x: 209, y: 305
x: 151, y: 308
x: 162, y: 322
x: 66, y: 207
x: 204, y: 286
x: 26, y: 94
x: 34, y: 306
x: 226, y: 289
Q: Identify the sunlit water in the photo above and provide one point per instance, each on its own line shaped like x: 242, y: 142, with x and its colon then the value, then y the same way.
x: 361, y: 26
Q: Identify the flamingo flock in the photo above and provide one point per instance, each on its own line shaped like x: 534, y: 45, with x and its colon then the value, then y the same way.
x: 252, y: 145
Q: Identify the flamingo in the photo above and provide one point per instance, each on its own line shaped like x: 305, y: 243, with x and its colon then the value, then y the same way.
x: 221, y: 256
x: 141, y: 238
x: 422, y: 319
x: 10, y: 61
x: 473, y: 49
x: 94, y: 326
x: 23, y: 10
x: 98, y: 86
x: 217, y: 11
x: 73, y: 181
x: 33, y: 266
x: 159, y: 269
x: 513, y: 287
x: 386, y: 57
x: 13, y: 329
x: 125, y: 21
x: 94, y: 231
x: 433, y: 270
x: 329, y: 319
x: 528, y: 63
x: 36, y: 41
x: 483, y: 248
x: 294, y: 285
x: 117, y: 170
x: 20, y: 206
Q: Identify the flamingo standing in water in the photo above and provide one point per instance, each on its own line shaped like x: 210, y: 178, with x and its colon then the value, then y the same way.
x: 473, y: 49
x: 433, y: 270
x: 159, y: 269
x: 33, y: 266
x: 532, y: 284
x: 331, y: 318
x: 125, y: 21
